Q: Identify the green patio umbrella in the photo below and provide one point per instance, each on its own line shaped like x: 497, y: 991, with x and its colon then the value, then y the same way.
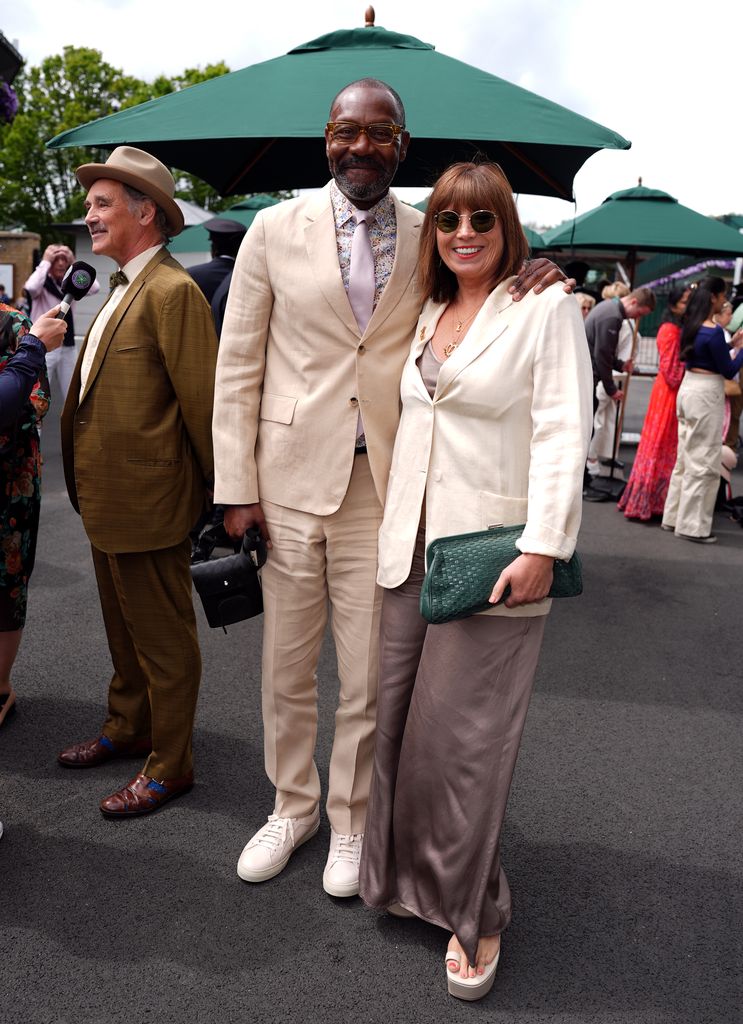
x: 534, y: 239
x: 196, y: 238
x: 260, y: 129
x: 645, y: 220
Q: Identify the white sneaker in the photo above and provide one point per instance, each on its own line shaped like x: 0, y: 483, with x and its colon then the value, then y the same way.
x: 269, y: 850
x: 341, y: 874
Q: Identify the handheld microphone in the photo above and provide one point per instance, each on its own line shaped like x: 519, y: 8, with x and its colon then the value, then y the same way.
x: 76, y: 284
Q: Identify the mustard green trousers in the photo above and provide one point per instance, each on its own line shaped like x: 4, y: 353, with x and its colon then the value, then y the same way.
x: 151, y: 630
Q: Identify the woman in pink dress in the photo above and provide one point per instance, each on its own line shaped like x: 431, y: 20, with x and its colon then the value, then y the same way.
x: 645, y: 493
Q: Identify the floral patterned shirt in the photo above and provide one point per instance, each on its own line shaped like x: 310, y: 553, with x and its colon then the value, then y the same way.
x: 382, y: 235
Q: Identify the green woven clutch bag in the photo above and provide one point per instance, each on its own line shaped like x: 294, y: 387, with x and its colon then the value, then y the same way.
x: 462, y: 571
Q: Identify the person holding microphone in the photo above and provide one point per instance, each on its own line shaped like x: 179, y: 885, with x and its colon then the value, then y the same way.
x: 23, y: 402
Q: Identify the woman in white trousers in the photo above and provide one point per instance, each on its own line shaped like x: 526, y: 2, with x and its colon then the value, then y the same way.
x: 700, y: 405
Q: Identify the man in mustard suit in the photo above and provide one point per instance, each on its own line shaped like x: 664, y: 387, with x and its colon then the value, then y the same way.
x: 322, y: 307
x: 136, y: 443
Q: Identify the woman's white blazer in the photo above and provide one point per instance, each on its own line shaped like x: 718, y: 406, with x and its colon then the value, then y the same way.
x: 503, y: 440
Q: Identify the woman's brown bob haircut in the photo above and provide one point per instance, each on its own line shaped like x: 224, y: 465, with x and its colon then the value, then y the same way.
x: 469, y: 186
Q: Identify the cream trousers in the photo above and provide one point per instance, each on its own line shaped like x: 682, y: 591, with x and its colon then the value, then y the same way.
x: 321, y: 564
x: 695, y: 480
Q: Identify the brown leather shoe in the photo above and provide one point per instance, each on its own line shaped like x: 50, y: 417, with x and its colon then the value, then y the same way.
x: 143, y: 795
x: 94, y: 752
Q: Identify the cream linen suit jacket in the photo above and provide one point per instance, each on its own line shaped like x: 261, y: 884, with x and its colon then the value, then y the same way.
x: 294, y: 369
x: 504, y: 439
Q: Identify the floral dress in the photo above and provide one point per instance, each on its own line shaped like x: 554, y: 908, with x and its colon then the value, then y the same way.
x: 20, y: 490
x: 646, y: 490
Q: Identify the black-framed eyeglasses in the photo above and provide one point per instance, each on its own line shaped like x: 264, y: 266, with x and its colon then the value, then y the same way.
x: 480, y: 221
x: 347, y: 132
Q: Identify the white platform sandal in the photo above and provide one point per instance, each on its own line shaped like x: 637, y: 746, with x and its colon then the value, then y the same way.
x: 470, y: 988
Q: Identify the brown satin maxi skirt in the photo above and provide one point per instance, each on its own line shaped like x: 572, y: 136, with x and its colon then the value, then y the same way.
x: 451, y: 710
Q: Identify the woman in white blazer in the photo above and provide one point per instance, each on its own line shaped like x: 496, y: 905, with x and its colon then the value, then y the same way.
x: 496, y: 418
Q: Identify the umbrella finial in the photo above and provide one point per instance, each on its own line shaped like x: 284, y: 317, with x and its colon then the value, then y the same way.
x: 639, y: 181
x: 369, y: 18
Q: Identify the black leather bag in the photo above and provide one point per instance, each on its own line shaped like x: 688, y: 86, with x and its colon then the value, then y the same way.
x: 230, y: 587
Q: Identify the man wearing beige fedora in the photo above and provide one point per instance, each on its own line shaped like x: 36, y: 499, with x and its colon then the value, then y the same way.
x: 322, y: 306
x: 136, y: 443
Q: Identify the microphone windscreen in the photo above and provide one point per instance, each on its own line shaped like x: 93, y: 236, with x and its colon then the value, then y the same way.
x: 78, y: 280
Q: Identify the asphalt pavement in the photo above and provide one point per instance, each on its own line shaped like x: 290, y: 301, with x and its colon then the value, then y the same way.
x: 621, y: 843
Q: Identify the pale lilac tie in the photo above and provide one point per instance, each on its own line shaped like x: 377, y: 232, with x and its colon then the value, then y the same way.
x: 361, y: 271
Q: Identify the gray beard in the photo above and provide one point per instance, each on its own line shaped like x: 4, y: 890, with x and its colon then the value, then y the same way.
x: 353, y: 190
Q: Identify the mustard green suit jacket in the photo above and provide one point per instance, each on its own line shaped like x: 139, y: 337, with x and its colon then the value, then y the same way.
x: 137, y: 446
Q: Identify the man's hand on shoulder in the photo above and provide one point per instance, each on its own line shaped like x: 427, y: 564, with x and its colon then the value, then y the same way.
x: 539, y: 274
x: 239, y: 518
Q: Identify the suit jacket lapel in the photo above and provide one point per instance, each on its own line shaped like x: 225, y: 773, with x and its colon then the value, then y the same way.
x: 491, y: 321
x: 405, y: 265
x: 429, y: 318
x: 322, y: 251
x: 115, y: 319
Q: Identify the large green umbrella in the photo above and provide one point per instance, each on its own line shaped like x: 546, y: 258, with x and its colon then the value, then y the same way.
x: 259, y: 129
x: 533, y: 237
x: 196, y: 238
x: 645, y: 220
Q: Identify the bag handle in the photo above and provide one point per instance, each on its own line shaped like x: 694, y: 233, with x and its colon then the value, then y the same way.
x: 254, y: 547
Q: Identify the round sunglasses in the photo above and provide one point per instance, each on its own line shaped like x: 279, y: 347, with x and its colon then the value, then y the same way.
x: 480, y: 221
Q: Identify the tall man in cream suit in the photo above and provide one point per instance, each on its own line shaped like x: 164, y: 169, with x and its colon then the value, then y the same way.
x: 306, y: 409
x: 136, y: 442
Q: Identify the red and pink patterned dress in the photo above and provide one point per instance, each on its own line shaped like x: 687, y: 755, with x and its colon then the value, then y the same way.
x: 645, y: 493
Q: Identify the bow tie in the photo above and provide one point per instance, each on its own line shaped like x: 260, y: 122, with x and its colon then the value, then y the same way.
x: 117, y: 278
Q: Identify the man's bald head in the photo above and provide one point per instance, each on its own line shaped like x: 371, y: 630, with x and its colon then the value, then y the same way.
x: 377, y: 84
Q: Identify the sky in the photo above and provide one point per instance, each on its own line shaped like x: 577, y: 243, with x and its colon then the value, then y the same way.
x: 662, y: 73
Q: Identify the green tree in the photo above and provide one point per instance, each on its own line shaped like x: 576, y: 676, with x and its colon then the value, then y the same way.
x: 38, y: 185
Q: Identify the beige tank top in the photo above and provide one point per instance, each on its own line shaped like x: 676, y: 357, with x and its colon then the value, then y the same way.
x: 429, y: 366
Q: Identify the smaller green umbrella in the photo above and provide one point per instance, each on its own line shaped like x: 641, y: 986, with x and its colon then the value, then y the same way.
x: 646, y: 220
x: 196, y: 238
x: 534, y: 239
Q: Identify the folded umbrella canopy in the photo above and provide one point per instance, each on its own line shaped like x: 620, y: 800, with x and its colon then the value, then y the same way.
x: 260, y: 129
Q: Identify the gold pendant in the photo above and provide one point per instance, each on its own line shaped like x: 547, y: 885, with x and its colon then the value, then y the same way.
x: 450, y: 349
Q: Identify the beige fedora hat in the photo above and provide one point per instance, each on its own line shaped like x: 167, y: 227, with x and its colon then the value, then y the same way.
x: 142, y: 171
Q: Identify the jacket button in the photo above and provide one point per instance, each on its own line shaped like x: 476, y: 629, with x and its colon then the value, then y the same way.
x: 361, y: 349
x: 353, y: 401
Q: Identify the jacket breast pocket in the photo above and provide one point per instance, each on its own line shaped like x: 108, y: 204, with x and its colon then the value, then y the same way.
x: 278, y: 408
x: 135, y: 353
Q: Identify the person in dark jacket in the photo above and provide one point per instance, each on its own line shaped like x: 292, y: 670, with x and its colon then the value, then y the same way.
x: 602, y: 330
x: 225, y: 236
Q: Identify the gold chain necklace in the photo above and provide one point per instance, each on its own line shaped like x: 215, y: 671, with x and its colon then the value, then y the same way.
x: 453, y: 345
